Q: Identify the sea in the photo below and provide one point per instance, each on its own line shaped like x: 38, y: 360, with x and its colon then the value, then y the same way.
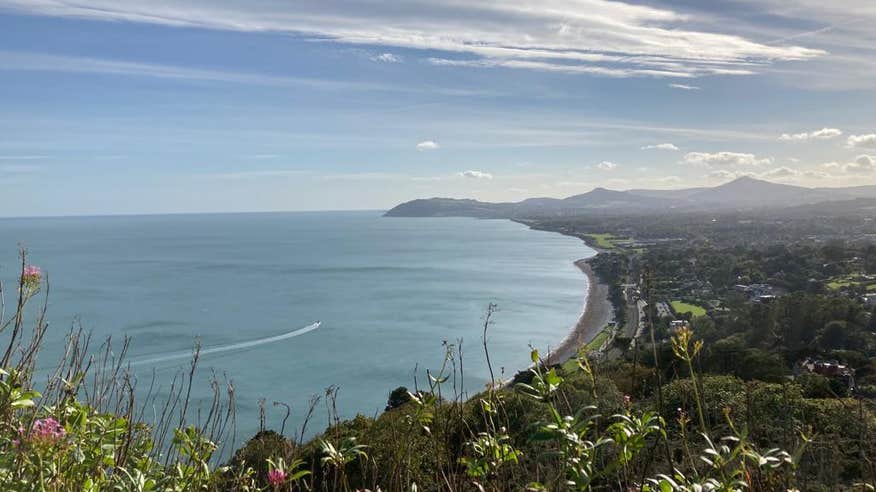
x: 285, y: 305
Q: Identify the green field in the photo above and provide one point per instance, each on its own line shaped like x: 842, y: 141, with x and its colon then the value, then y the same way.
x: 598, y: 340
x: 853, y: 280
x: 593, y: 346
x: 604, y: 241
x: 683, y: 307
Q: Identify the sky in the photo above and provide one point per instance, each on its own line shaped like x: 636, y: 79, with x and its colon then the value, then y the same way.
x: 124, y: 106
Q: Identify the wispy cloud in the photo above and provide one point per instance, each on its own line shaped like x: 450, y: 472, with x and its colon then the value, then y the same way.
x: 554, y: 35
x: 862, y: 141
x: 427, y: 145
x: 476, y: 175
x: 606, y: 166
x: 863, y: 164
x: 725, y: 159
x: 823, y: 134
x: 41, y: 62
x: 685, y: 87
x: 662, y: 146
x: 386, y: 58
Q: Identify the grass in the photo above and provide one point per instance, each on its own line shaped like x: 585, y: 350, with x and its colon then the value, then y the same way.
x: 847, y: 281
x: 838, y: 284
x: 604, y: 241
x: 683, y: 307
x: 598, y: 340
x: 594, y: 345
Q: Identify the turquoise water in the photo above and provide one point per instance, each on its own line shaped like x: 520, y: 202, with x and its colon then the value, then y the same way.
x: 387, y: 291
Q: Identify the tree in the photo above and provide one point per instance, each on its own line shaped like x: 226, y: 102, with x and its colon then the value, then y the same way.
x: 834, y: 335
x: 397, y: 398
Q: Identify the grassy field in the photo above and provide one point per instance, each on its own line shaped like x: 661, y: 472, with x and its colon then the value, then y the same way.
x: 683, y: 307
x: 845, y: 281
x: 598, y: 340
x: 594, y: 345
x: 604, y: 241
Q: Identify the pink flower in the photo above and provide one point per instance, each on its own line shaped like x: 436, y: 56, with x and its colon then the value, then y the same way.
x: 276, y: 477
x: 47, y: 431
x: 627, y: 400
x: 31, y: 275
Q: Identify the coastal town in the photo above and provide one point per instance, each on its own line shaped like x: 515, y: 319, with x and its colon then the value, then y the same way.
x: 700, y: 280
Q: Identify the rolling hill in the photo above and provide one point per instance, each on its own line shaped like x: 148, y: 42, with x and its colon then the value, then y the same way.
x: 744, y: 193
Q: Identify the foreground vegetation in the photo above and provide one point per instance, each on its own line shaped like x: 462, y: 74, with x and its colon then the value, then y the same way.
x: 649, y: 420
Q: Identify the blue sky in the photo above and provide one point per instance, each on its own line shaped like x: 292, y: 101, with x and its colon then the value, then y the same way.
x: 122, y: 106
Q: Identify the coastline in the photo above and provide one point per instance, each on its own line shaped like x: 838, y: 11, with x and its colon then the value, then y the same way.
x: 598, y: 312
x: 598, y: 309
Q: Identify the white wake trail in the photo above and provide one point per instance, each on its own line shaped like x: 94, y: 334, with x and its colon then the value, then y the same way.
x: 226, y: 348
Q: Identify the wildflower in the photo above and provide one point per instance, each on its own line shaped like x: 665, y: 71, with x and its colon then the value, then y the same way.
x: 628, y: 401
x: 31, y: 276
x: 47, y: 431
x: 276, y: 477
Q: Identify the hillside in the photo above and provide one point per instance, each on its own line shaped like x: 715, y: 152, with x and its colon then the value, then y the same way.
x: 744, y: 193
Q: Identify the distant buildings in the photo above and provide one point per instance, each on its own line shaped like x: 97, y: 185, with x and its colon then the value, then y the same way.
x: 678, y: 324
x: 762, y: 293
x: 830, y: 369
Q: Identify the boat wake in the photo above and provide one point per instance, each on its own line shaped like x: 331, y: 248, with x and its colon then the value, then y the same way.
x: 187, y: 354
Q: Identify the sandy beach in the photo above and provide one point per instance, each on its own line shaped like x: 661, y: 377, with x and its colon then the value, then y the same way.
x: 597, y: 313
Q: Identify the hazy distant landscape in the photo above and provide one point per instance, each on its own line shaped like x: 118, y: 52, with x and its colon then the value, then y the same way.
x: 743, y: 193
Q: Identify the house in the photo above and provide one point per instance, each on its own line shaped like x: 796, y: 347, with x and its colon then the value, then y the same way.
x: 678, y: 324
x: 830, y: 369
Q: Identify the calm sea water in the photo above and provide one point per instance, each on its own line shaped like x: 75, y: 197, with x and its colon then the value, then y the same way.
x: 388, y: 291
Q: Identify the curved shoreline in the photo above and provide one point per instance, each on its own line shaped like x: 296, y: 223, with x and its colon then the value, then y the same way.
x: 598, y: 312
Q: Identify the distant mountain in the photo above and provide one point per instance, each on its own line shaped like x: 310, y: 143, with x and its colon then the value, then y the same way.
x: 744, y: 193
x: 748, y: 192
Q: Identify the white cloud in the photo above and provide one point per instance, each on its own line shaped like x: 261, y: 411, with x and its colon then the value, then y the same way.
x: 610, y: 38
x: 475, y: 174
x: 823, y: 134
x: 685, y: 87
x: 863, y: 164
x: 862, y: 141
x: 663, y: 146
x: 386, y: 58
x: 780, y: 173
x: 725, y: 159
x: 606, y: 166
x: 427, y: 145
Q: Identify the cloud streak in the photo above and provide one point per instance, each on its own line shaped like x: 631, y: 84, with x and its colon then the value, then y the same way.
x: 41, y: 62
x: 662, y: 146
x: 725, y: 160
x: 823, y: 134
x: 427, y: 145
x: 599, y: 37
x: 471, y: 174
